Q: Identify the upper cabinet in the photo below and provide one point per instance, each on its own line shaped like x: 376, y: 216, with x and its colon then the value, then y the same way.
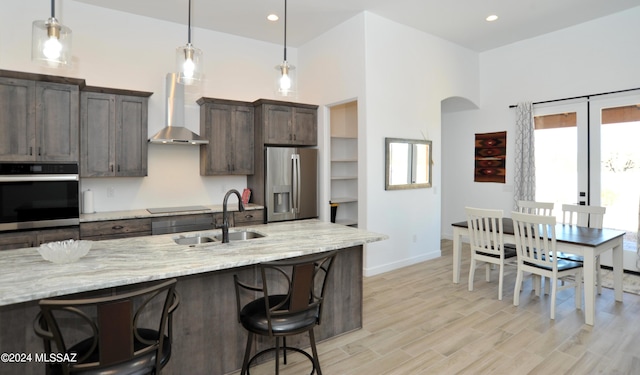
x: 113, y: 138
x: 38, y: 119
x: 286, y: 123
x: 229, y: 127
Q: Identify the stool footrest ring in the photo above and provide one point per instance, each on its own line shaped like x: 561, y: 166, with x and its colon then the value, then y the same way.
x: 309, y: 357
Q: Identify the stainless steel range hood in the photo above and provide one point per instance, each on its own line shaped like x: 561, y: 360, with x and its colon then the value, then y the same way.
x: 174, y: 132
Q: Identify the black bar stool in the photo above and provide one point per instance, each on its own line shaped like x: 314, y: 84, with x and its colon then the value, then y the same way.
x: 290, y: 302
x: 128, y: 333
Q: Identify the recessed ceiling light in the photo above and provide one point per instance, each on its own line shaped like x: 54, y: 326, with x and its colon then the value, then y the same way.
x: 492, y: 18
x: 273, y: 17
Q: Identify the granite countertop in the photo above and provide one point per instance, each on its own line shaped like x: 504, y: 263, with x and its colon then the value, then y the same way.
x: 143, y: 213
x: 25, y: 276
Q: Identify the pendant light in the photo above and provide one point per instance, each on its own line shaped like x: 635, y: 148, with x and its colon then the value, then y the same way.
x: 189, y: 60
x: 286, y: 79
x: 51, y: 41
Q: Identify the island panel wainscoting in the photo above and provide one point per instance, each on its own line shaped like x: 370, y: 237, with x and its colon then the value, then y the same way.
x: 207, y: 336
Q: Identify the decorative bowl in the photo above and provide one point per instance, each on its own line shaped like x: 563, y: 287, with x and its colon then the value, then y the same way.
x: 67, y: 251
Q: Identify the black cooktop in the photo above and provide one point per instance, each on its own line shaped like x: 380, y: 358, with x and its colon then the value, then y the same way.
x: 164, y: 210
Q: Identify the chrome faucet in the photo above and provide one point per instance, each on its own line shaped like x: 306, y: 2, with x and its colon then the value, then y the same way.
x: 225, y: 219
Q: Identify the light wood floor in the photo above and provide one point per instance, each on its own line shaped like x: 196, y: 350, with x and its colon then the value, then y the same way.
x: 416, y: 321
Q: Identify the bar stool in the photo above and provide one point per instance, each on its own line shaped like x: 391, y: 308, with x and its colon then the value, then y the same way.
x: 128, y: 333
x: 290, y: 303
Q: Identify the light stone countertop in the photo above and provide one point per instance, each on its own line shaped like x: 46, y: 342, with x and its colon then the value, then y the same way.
x: 26, y: 276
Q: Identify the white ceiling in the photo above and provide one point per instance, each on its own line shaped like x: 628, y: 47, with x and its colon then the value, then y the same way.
x: 459, y: 21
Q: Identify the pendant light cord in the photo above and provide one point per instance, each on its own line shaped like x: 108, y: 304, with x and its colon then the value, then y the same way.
x: 189, y: 29
x: 285, y: 30
x: 53, y: 8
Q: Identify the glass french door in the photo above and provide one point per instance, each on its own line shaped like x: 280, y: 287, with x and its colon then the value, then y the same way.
x: 562, y: 158
x: 588, y: 152
x: 615, y: 121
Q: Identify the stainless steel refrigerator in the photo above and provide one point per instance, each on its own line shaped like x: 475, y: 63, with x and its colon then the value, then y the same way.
x: 291, y: 183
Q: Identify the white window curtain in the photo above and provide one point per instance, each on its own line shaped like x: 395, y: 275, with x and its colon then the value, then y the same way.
x: 525, y: 166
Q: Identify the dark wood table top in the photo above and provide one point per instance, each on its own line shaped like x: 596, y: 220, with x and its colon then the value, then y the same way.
x: 567, y: 233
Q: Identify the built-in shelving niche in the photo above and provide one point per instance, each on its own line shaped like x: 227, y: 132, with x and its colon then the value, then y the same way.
x: 344, y: 162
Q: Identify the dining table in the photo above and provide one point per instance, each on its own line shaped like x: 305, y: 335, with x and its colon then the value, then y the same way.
x: 588, y: 242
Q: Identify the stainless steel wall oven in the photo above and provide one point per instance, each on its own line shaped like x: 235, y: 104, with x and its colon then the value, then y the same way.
x: 38, y: 195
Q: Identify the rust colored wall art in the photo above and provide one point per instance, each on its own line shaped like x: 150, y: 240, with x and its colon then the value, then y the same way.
x: 491, y: 154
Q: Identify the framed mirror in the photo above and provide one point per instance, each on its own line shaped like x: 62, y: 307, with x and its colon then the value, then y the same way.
x: 408, y: 164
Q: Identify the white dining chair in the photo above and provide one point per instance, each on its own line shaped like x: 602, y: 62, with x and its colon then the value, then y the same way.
x: 584, y: 216
x: 537, y: 208
x: 536, y: 251
x: 487, y: 244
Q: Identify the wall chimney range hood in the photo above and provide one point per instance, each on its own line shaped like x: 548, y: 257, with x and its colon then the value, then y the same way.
x: 174, y: 131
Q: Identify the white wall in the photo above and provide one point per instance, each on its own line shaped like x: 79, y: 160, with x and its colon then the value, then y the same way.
x: 333, y: 72
x: 120, y: 50
x: 594, y: 57
x: 408, y: 74
x: 399, y: 76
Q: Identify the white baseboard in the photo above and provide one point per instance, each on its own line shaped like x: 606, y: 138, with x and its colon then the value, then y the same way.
x: 400, y: 264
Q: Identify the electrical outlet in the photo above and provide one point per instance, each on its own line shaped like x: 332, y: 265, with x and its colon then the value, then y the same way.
x: 111, y: 192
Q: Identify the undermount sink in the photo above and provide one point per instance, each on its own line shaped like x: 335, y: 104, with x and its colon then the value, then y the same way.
x: 240, y: 235
x: 194, y: 240
x: 199, y: 239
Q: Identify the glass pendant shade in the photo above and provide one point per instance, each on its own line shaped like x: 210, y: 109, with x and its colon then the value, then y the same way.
x: 286, y: 80
x: 51, y: 43
x: 189, y: 64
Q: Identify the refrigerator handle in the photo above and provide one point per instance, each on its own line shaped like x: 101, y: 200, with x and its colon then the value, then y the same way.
x: 295, y: 159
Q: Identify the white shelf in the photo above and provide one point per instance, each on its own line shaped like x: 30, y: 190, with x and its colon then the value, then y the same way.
x: 350, y: 160
x: 354, y: 177
x: 344, y: 199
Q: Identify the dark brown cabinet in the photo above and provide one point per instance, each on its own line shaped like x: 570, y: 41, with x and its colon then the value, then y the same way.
x: 34, y: 238
x: 248, y: 217
x: 240, y: 219
x: 39, y: 120
x: 113, y: 133
x: 112, y: 229
x: 229, y: 127
x: 285, y: 123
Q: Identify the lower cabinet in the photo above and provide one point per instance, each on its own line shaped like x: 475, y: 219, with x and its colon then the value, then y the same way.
x: 248, y: 217
x: 240, y: 219
x: 112, y: 229
x: 34, y: 238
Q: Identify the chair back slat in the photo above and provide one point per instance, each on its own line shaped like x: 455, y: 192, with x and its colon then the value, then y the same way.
x: 583, y: 216
x: 301, y: 286
x: 115, y: 336
x: 536, y: 208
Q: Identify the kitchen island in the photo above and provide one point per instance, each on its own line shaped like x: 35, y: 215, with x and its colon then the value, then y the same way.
x: 207, y: 337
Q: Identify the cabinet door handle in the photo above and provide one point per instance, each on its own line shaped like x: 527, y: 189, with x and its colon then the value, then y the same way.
x: 110, y: 167
x: 117, y: 227
x: 118, y: 167
x: 39, y: 151
x: 31, y: 151
x: 248, y: 216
